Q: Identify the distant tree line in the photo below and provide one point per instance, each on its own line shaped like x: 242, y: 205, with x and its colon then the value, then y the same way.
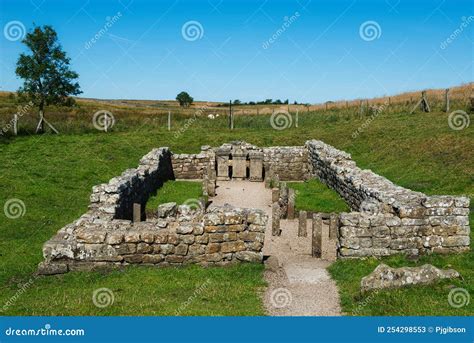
x: 237, y: 102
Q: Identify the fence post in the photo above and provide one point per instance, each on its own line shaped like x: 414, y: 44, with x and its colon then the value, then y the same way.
x: 15, y: 124
x: 230, y: 114
x: 296, y: 118
x: 169, y: 120
x: 446, y: 99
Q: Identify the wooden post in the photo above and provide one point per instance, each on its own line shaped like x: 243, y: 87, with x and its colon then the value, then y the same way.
x: 169, y: 120
x: 446, y: 99
x: 317, y: 228
x: 389, y: 101
x: 296, y: 118
x: 425, y: 107
x: 230, y: 113
x: 303, y: 216
x: 15, y: 124
x: 137, y: 213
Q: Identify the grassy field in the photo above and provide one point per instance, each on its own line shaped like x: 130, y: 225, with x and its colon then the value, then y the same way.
x: 179, y: 192
x: 315, y: 196
x: 53, y: 175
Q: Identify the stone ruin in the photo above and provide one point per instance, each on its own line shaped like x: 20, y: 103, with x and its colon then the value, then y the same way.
x: 385, y: 219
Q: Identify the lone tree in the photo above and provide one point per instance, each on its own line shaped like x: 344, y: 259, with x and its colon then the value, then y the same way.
x: 46, y: 74
x: 184, y: 99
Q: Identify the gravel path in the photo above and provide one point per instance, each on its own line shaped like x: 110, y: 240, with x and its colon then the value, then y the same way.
x: 298, y: 284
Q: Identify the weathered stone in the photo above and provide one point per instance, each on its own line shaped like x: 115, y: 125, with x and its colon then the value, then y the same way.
x: 386, y: 277
x: 126, y: 248
x: 455, y: 241
x: 168, y: 209
x: 114, y: 238
x: 167, y: 249
x: 181, y: 249
x: 90, y: 236
x: 185, y: 229
x: 147, y: 237
x: 132, y: 237
x: 153, y: 259
x: 52, y: 268
x: 161, y: 237
x: 187, y: 239
x: 227, y: 247
x: 249, y: 256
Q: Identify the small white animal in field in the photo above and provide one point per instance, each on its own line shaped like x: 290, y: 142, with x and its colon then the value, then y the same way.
x: 211, y: 116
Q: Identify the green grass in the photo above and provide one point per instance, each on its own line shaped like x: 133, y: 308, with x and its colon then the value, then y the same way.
x: 175, y: 191
x: 315, y: 196
x: 53, y: 176
x: 142, y: 291
x: 426, y: 300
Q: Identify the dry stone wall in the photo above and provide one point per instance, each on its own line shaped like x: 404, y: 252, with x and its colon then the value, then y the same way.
x: 190, y: 166
x: 287, y: 163
x: 221, y: 236
x: 387, y: 218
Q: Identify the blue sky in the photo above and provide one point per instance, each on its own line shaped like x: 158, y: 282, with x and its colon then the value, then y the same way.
x: 322, y: 53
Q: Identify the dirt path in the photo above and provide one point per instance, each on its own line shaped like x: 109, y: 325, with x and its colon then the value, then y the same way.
x: 298, y: 284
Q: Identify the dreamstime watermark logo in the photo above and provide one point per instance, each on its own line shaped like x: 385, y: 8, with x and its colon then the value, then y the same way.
x: 193, y: 204
x: 287, y: 21
x: 14, y: 208
x: 376, y: 111
x: 22, y: 289
x: 464, y: 24
x: 459, y: 297
x: 14, y: 30
x: 192, y: 30
x: 190, y: 121
x: 103, y: 297
x: 22, y: 110
x: 370, y: 30
x: 365, y: 302
x: 458, y: 120
x: 103, y: 120
x: 281, y: 298
x: 198, y: 291
x: 109, y: 22
x: 281, y: 120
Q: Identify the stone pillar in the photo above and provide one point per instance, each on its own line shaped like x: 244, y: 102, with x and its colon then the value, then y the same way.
x: 333, y: 225
x: 211, y: 185
x: 291, y: 203
x: 222, y: 157
x: 329, y: 239
x: 137, y: 213
x: 275, y: 195
x: 256, y: 166
x: 317, y: 233
x: 276, y: 220
x: 302, y: 224
x: 239, y: 164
